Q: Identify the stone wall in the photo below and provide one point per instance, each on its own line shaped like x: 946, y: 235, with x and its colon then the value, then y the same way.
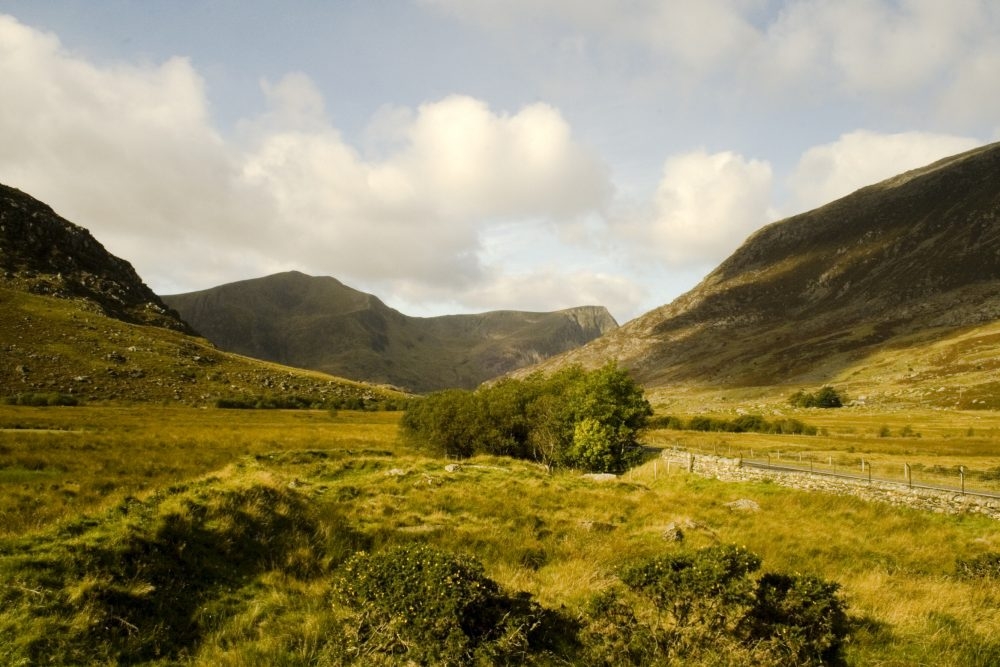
x: 893, y: 493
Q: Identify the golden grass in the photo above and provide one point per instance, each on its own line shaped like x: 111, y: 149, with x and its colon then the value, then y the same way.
x: 558, y: 536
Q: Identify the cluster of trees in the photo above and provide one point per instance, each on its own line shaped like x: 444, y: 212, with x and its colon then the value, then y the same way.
x: 825, y: 397
x: 575, y: 418
x: 741, y: 424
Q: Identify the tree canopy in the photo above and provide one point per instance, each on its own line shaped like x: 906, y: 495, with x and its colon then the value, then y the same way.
x: 581, y: 419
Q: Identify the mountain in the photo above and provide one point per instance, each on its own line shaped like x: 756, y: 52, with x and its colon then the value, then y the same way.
x: 904, y: 265
x: 322, y: 324
x: 78, y: 322
x: 43, y: 253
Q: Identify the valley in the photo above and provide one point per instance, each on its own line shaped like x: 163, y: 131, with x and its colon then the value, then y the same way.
x: 167, y: 498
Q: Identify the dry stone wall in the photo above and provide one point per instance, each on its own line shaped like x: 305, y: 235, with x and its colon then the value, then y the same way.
x: 893, y: 493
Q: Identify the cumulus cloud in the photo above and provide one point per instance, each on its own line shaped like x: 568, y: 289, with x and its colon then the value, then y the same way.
x: 861, y: 158
x: 879, y: 47
x: 125, y: 150
x: 458, y: 168
x: 705, y: 205
x: 130, y: 152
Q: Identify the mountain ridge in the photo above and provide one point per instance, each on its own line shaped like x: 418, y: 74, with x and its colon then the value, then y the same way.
x: 318, y: 322
x: 810, y: 296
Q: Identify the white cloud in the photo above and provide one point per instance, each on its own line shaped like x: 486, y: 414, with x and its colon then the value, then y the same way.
x: 124, y: 150
x: 861, y: 158
x: 130, y: 153
x: 878, y: 47
x: 543, y: 288
x: 458, y: 168
x: 705, y: 206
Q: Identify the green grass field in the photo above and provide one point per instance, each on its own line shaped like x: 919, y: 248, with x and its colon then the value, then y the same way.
x: 75, y: 480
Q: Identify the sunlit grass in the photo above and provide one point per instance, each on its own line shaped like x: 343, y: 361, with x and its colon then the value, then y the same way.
x: 559, y: 536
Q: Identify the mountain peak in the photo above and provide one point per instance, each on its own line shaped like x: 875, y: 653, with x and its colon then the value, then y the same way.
x: 322, y: 324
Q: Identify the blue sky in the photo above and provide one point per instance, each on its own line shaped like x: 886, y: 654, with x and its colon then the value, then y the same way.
x: 462, y: 156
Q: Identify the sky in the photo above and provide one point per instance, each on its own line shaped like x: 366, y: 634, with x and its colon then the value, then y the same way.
x: 456, y: 156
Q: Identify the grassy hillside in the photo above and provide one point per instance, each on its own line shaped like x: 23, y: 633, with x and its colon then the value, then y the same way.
x: 894, y: 268
x: 68, y: 347
x: 213, y: 537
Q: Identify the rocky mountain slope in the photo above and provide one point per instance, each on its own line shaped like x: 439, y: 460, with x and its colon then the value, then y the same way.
x: 903, y: 264
x: 322, y: 324
x: 77, y: 322
x: 43, y: 253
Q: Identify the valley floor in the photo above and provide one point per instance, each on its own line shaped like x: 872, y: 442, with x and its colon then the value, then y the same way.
x: 71, y: 474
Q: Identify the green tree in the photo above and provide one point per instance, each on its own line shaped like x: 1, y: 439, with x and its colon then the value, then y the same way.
x: 615, y: 411
x: 445, y: 422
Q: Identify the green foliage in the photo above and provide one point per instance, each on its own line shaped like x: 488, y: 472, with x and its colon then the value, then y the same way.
x: 706, y: 607
x: 708, y: 588
x: 449, y: 421
x: 825, y: 397
x: 742, y: 424
x: 42, y: 399
x: 423, y: 605
x: 588, y: 420
x: 799, y: 619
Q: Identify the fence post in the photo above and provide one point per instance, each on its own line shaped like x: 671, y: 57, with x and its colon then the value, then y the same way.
x: 961, y: 472
x: 690, y: 462
x: 909, y: 475
x: 869, y: 472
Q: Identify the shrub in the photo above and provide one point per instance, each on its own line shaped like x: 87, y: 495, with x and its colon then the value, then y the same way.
x: 43, y: 399
x: 826, y: 397
x: 423, y: 605
x: 706, y: 607
x: 799, y: 619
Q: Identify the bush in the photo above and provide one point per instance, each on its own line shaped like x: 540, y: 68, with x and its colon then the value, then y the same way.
x: 826, y: 397
x: 742, y: 424
x: 983, y: 566
x: 800, y: 619
x: 706, y: 607
x: 427, y: 606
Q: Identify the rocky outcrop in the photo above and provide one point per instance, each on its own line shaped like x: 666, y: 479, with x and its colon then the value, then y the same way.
x: 42, y: 253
